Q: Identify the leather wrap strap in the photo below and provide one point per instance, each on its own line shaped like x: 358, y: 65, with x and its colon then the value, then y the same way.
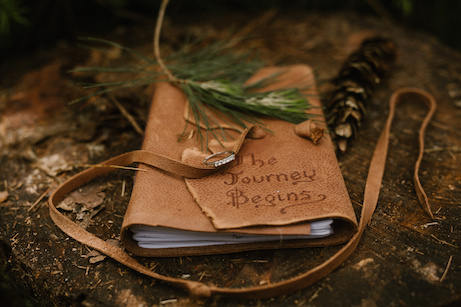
x: 371, y: 195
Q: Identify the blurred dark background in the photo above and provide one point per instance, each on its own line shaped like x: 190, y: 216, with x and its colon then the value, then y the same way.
x: 28, y: 25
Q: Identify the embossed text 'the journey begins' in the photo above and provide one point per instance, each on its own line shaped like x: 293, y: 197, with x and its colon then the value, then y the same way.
x: 238, y: 196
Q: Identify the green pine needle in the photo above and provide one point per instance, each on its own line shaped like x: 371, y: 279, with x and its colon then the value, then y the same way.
x: 210, y: 77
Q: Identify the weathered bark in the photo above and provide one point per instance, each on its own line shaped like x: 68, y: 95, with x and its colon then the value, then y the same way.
x: 403, y: 255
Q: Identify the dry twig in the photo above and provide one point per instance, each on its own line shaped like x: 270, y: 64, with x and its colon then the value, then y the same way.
x: 110, y: 165
x: 125, y: 113
x: 444, y: 242
x: 41, y: 197
x: 446, y: 269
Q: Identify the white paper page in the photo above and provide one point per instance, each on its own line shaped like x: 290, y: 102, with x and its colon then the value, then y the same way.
x: 162, y: 237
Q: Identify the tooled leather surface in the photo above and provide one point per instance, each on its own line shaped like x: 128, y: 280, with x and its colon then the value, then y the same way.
x: 163, y: 199
x: 160, y: 198
x: 279, y: 179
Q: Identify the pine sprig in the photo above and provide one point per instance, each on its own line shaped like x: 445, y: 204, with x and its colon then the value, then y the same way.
x: 215, y: 62
x: 229, y: 97
x: 210, y: 77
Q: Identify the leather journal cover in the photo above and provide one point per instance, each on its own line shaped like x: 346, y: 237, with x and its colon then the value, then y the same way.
x: 282, y: 190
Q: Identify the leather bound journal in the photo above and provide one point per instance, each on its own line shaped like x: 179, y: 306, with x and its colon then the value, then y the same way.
x: 255, y: 190
x: 281, y: 191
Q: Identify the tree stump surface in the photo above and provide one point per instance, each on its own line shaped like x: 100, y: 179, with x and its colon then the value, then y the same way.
x: 404, y: 259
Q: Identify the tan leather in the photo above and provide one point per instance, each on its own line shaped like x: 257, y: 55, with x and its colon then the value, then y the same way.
x: 175, y: 170
x: 280, y: 179
x: 296, y: 176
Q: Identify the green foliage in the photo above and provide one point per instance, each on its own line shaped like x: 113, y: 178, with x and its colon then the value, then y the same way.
x: 11, y: 11
x: 405, y: 6
x: 210, y: 77
x: 240, y: 106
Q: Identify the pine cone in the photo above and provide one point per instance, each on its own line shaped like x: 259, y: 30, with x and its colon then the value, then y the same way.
x: 354, y: 85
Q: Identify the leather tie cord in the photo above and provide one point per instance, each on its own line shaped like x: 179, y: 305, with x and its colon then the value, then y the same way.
x: 371, y: 195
